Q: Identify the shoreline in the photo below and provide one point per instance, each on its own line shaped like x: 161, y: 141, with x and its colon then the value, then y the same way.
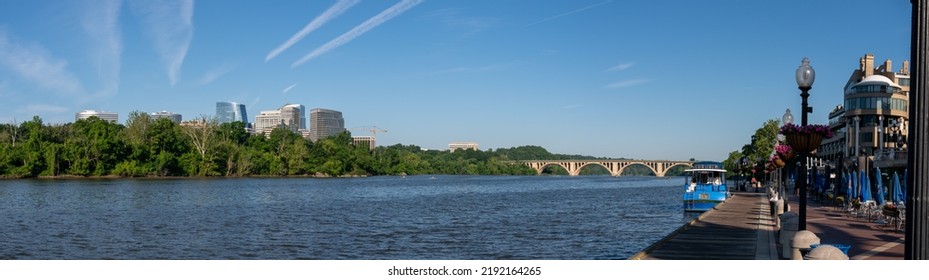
x: 118, y: 177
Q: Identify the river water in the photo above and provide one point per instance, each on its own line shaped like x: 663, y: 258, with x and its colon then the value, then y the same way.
x: 377, y: 218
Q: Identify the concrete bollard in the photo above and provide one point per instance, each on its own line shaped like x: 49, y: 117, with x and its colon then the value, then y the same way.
x: 771, y: 206
x: 826, y: 252
x: 802, y: 240
x: 779, y: 209
x: 790, y: 222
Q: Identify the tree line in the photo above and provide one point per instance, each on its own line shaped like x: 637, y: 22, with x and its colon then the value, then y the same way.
x: 755, y: 153
x: 147, y: 147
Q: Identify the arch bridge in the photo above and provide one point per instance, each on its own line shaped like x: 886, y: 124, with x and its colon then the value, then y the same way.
x: 615, y: 166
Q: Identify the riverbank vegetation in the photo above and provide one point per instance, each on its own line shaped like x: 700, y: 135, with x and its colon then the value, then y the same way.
x: 146, y: 147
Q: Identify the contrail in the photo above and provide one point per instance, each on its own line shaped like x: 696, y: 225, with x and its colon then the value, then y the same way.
x: 570, y: 13
x: 171, y: 25
x: 289, y: 88
x: 333, y: 11
x: 366, y: 26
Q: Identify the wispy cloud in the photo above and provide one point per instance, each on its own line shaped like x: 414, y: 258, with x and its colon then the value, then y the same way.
x: 101, y: 23
x: 471, y: 25
x: 334, y: 11
x: 620, y: 67
x: 214, y: 73
x: 570, y: 13
x: 35, y: 64
x: 571, y: 107
x: 5, y: 89
x: 463, y: 69
x: 171, y: 27
x: 42, y: 109
x: 289, y: 88
x: 627, y: 83
x: 366, y: 26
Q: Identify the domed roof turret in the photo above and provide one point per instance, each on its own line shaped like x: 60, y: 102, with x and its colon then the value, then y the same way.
x: 877, y: 80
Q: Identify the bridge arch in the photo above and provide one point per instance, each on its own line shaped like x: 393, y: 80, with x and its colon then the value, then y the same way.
x: 620, y: 171
x: 616, y: 167
x: 540, y: 168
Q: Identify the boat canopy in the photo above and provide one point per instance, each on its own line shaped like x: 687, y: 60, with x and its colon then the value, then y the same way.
x: 705, y: 170
x: 710, y: 176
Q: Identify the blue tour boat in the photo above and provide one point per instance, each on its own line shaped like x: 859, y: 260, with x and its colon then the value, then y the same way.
x: 704, y: 186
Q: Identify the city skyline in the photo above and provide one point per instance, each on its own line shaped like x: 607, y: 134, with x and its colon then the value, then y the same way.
x: 602, y: 78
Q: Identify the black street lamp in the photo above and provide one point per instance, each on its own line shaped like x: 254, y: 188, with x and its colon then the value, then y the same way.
x: 805, y: 77
x: 916, y: 238
x: 743, y: 164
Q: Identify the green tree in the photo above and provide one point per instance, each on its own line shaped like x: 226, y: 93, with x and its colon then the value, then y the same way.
x: 201, y: 136
x: 731, y: 164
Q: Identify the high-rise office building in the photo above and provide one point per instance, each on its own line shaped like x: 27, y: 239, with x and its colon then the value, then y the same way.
x: 107, y: 116
x: 174, y: 117
x: 227, y: 112
x: 303, y: 112
x: 325, y: 123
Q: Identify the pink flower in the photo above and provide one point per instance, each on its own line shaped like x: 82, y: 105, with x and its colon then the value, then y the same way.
x: 824, y: 130
x: 782, y: 149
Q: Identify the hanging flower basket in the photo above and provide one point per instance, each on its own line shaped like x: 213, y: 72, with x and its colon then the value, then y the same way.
x: 805, y: 139
x: 784, y: 152
x: 778, y: 162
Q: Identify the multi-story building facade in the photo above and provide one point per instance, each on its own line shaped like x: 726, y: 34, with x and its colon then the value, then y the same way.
x: 364, y: 141
x: 462, y: 145
x: 107, y: 116
x: 302, y: 125
x: 870, y: 126
x: 288, y: 116
x: 227, y: 112
x: 325, y: 123
x: 174, y: 117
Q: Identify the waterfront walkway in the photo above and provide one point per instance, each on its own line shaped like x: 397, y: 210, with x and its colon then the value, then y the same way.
x: 739, y: 229
x: 869, y: 239
x: 742, y: 229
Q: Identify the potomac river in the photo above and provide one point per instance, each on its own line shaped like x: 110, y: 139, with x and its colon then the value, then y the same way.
x: 376, y: 218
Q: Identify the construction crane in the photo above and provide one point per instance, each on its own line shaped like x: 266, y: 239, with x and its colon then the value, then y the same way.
x: 373, y: 129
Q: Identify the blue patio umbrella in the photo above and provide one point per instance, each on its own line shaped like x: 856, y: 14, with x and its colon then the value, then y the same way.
x: 814, y: 180
x: 865, y: 187
x: 853, y: 186
x: 842, y: 186
x: 897, y: 192
x: 880, y: 187
x: 905, y: 171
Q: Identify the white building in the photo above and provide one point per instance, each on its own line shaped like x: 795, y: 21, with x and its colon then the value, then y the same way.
x: 368, y: 141
x: 462, y: 145
x: 288, y: 116
x: 107, y: 116
x: 174, y: 117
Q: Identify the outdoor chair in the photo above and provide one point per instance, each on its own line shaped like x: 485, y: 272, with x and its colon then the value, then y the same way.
x: 871, y: 208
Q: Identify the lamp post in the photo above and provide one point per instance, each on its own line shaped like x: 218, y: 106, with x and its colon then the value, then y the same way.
x: 743, y: 163
x: 916, y: 238
x: 805, y: 77
x: 788, y: 118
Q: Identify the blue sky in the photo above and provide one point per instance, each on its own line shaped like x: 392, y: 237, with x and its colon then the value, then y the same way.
x: 638, y: 79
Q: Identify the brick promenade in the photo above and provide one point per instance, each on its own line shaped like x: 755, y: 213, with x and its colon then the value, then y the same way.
x: 869, y: 239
